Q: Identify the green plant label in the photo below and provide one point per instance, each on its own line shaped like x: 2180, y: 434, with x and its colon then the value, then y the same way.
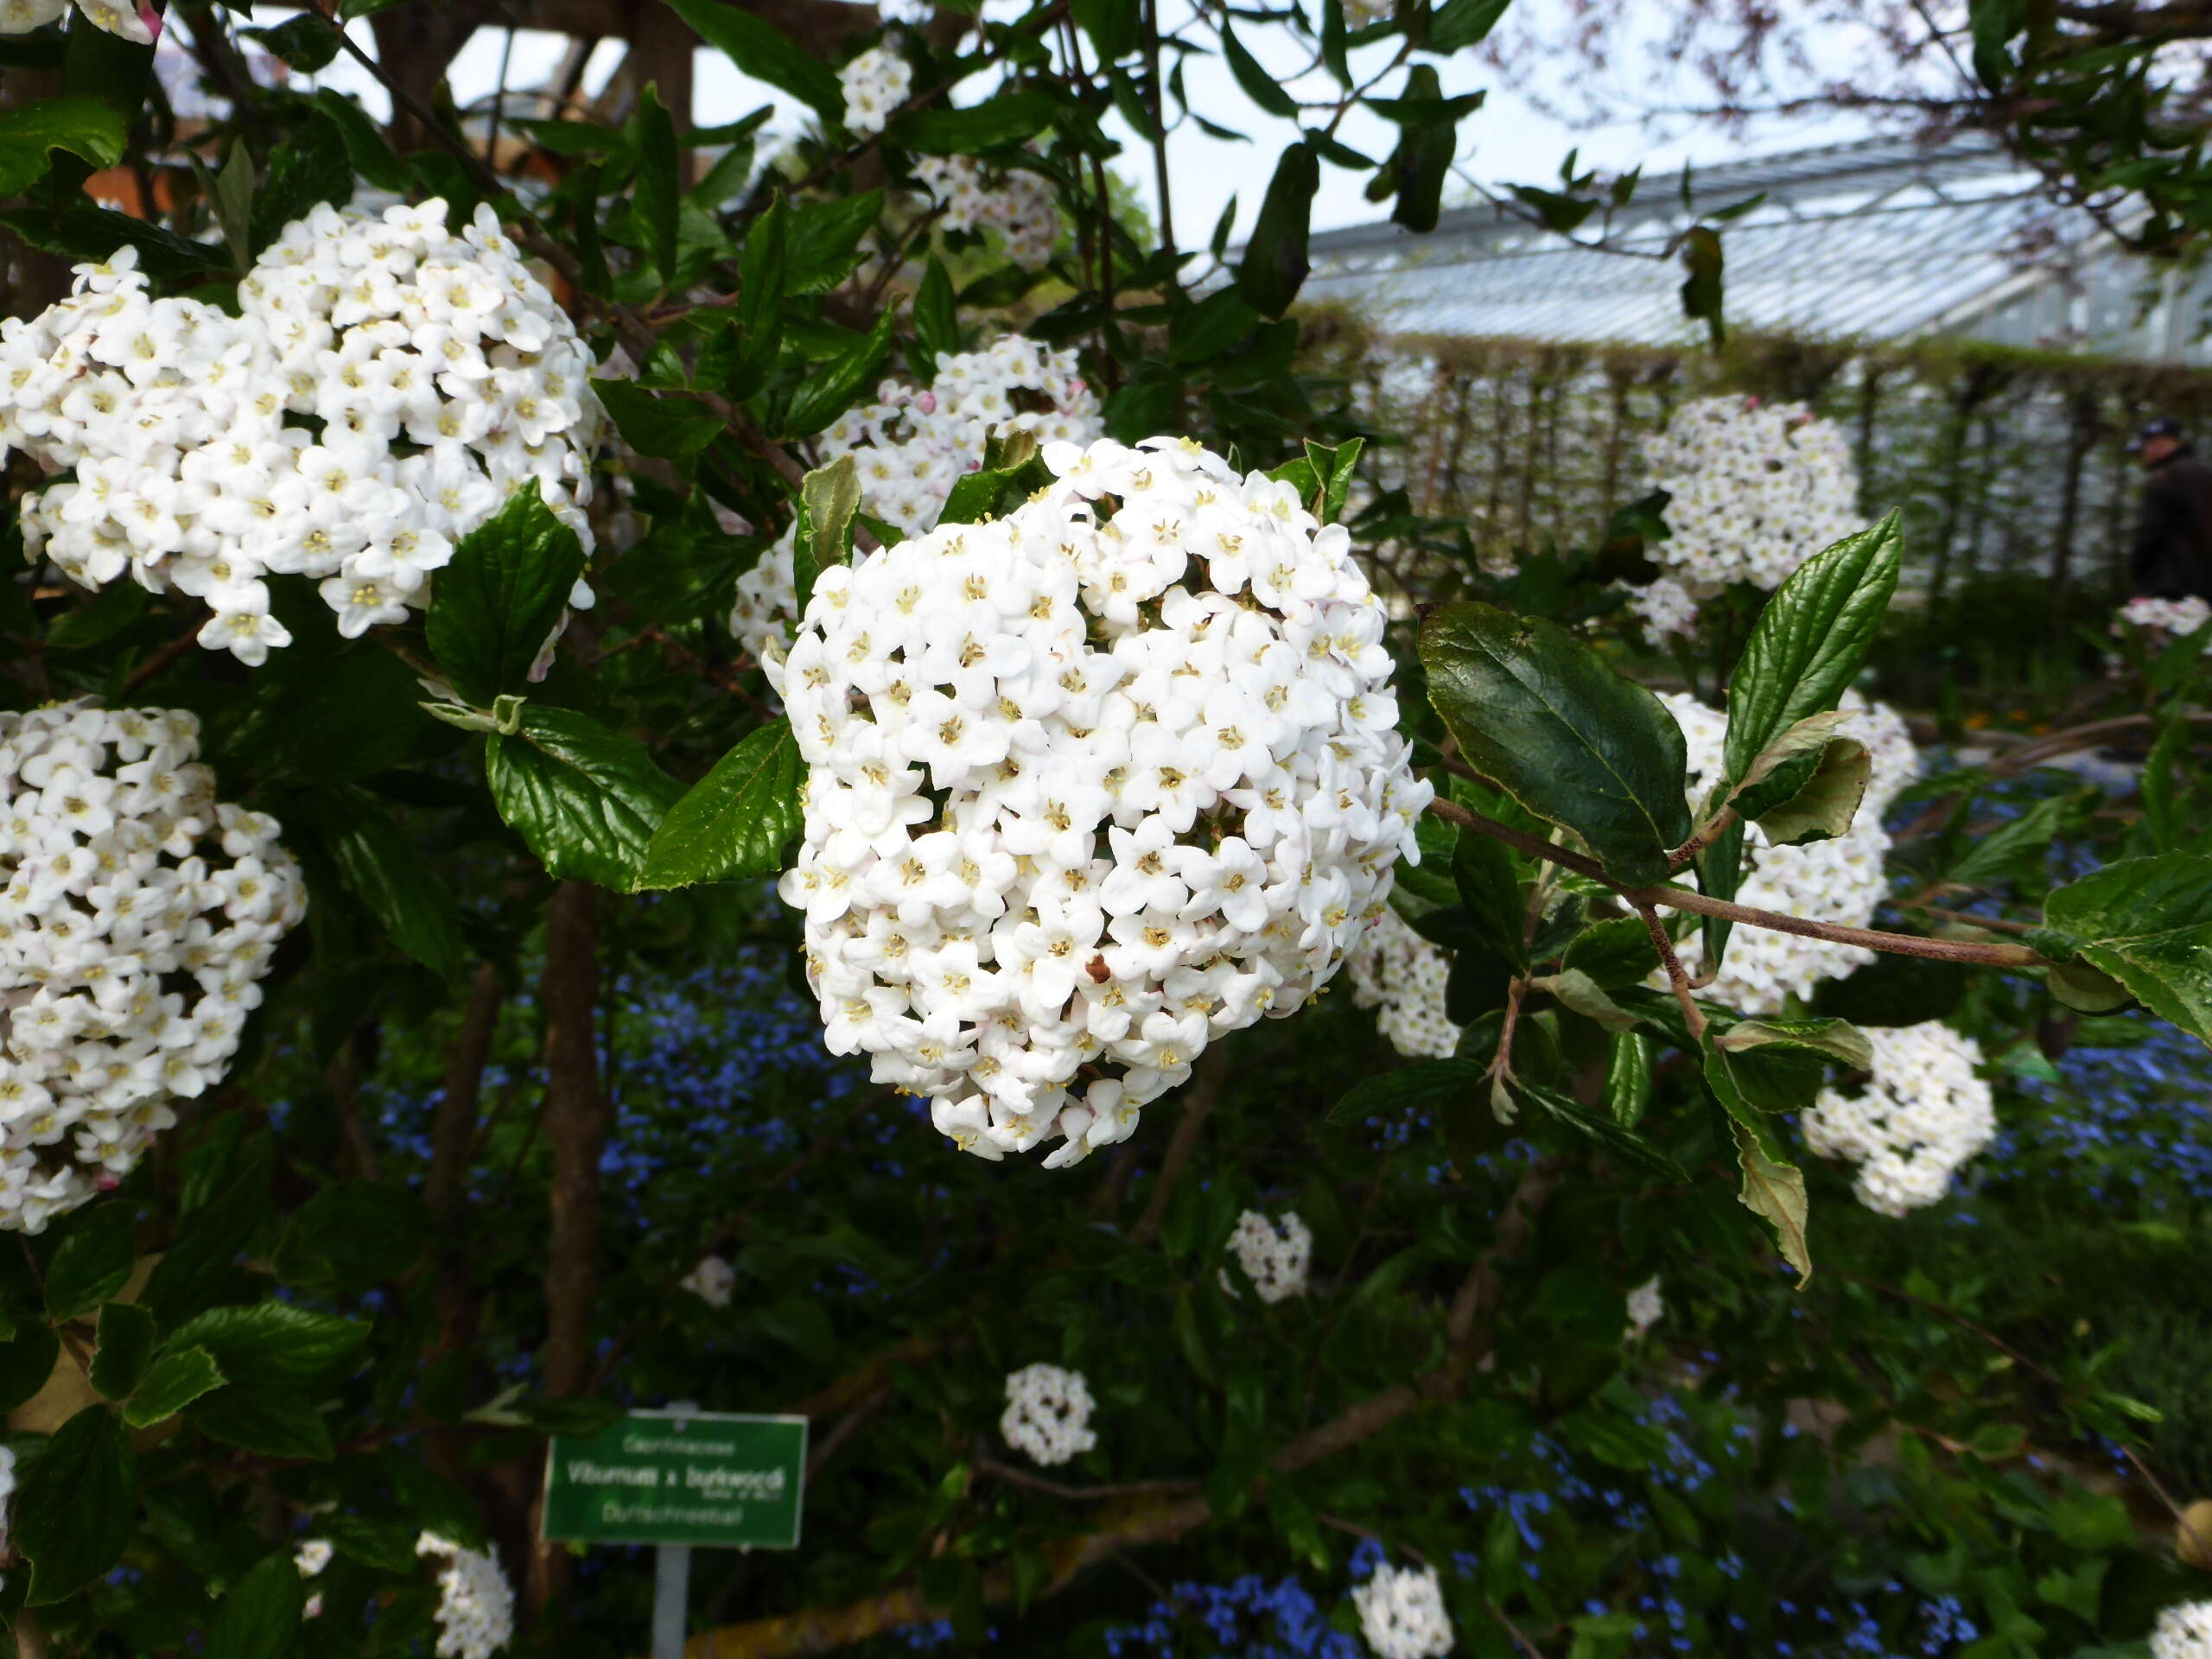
x: 668, y: 1477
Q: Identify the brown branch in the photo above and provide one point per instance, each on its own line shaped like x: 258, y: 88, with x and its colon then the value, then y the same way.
x: 575, y: 1131
x: 1198, y: 1106
x: 1672, y: 898
x: 1030, y: 1483
x: 445, y: 1191
x: 1142, y: 1520
x: 163, y: 660
x: 1703, y: 839
x: 847, y: 1425
x: 1677, y: 980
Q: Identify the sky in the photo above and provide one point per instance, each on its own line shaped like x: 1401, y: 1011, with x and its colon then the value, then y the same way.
x: 1509, y: 140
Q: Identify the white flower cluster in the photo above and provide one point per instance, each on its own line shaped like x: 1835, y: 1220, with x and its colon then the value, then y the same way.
x: 1841, y: 880
x: 137, y: 23
x: 1401, y: 1613
x: 1016, y: 203
x: 1646, y: 1307
x: 1662, y: 606
x: 2177, y: 617
x: 1090, y: 786
x: 476, y: 1605
x: 876, y: 83
x: 1924, y: 1113
x: 385, y: 386
x: 711, y: 1281
x: 2183, y: 1631
x: 912, y: 445
x: 1395, y: 969
x: 1758, y: 488
x: 1047, y: 1414
x: 1274, y: 1255
x: 7, y: 1491
x: 138, y: 917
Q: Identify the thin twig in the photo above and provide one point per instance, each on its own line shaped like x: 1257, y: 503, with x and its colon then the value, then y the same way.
x: 1030, y: 1483
x: 1692, y: 1015
x: 1704, y: 838
x: 1513, y: 1631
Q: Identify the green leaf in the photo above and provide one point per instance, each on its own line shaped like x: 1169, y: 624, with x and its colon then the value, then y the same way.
x: 585, y: 799
x: 1113, y: 25
x: 1774, y: 1190
x: 2082, y: 988
x: 89, y: 127
x: 1577, y: 991
x: 93, y: 1260
x: 1427, y: 1084
x: 313, y: 167
x: 1418, y: 166
x: 1262, y: 88
x: 1490, y: 890
x: 1536, y: 711
x: 388, y: 875
x: 1457, y: 24
x: 1704, y: 284
x: 2011, y: 846
x: 1784, y: 765
x: 1837, y: 1040
x: 763, y: 52
x: 1808, y: 643
x: 274, y: 1421
x: 1276, y: 263
x: 173, y: 1382
x: 830, y: 387
x: 231, y: 198
x: 1013, y: 470
x: 352, y: 1237
x: 26, y: 1361
x: 1627, y: 1077
x: 937, y: 322
x: 1616, y: 953
x: 502, y: 595
x: 73, y: 1513
x: 126, y: 1343
x: 1604, y: 1131
x: 260, y: 1616
x: 1766, y: 1075
x: 260, y: 1342
x: 366, y: 147
x: 667, y: 426
x: 1824, y: 807
x: 657, y: 195
x: 827, y: 498
x: 2147, y: 923
x: 736, y: 821
x: 1008, y: 118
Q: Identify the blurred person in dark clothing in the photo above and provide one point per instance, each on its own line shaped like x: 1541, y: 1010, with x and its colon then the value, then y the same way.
x: 2172, y: 555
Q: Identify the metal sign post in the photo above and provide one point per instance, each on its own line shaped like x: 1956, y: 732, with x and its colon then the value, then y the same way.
x: 672, y: 1577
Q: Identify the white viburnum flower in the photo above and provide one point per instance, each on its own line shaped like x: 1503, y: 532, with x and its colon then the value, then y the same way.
x: 711, y: 1281
x: 1925, y: 1111
x: 386, y: 385
x: 476, y: 1604
x: 1275, y: 1255
x: 138, y: 917
x: 2174, y: 617
x: 1050, y: 756
x: 1403, y: 976
x: 1758, y: 488
x: 1047, y: 1414
x: 1661, y: 607
x: 1841, y: 880
x: 1645, y: 1307
x: 2183, y: 1631
x: 132, y: 20
x: 1017, y: 203
x: 913, y: 444
x: 1401, y: 1613
x: 875, y: 83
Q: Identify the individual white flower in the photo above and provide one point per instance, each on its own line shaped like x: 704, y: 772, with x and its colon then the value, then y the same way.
x: 913, y: 445
x: 1054, y: 750
x: 1645, y: 1306
x: 875, y: 83
x: 1757, y: 489
x: 711, y: 1281
x: 1274, y: 1255
x: 1017, y: 203
x: 1841, y: 880
x: 137, y: 915
x: 1401, y: 1613
x: 1925, y: 1111
x: 1396, y: 970
x: 311, y: 1556
x: 1047, y: 1414
x: 2183, y: 1631
x: 476, y: 1605
x: 386, y: 385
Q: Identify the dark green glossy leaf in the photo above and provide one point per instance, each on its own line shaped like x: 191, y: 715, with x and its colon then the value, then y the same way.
x: 1009, y: 118
x: 658, y: 193
x: 1536, y: 711
x: 26, y: 1361
x: 93, y: 1259
x: 762, y: 51
x: 271, y: 1342
x: 667, y: 426
x: 830, y: 387
x: 2147, y: 923
x: 89, y: 127
x: 388, y: 875
x: 587, y: 799
x: 502, y: 595
x: 1602, y: 1131
x: 737, y: 820
x: 174, y: 1380
x: 1262, y: 88
x: 1276, y: 263
x: 1774, y: 1190
x: 260, y: 1616
x: 274, y: 1421
x: 1424, y: 1084
x: 1489, y: 884
x: 1627, y: 1077
x: 73, y: 1515
x: 125, y: 1343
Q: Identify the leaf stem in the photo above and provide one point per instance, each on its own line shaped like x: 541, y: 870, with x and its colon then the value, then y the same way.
x: 1692, y: 1015
x: 1673, y: 897
x: 1703, y: 839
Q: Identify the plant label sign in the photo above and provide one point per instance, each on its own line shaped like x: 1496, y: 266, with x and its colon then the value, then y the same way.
x: 675, y: 1478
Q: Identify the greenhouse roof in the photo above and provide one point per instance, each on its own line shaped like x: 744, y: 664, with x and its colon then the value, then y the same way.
x: 1880, y: 239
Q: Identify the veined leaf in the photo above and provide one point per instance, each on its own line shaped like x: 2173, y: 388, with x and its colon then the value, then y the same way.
x: 2147, y: 924
x: 587, y: 799
x: 736, y: 821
